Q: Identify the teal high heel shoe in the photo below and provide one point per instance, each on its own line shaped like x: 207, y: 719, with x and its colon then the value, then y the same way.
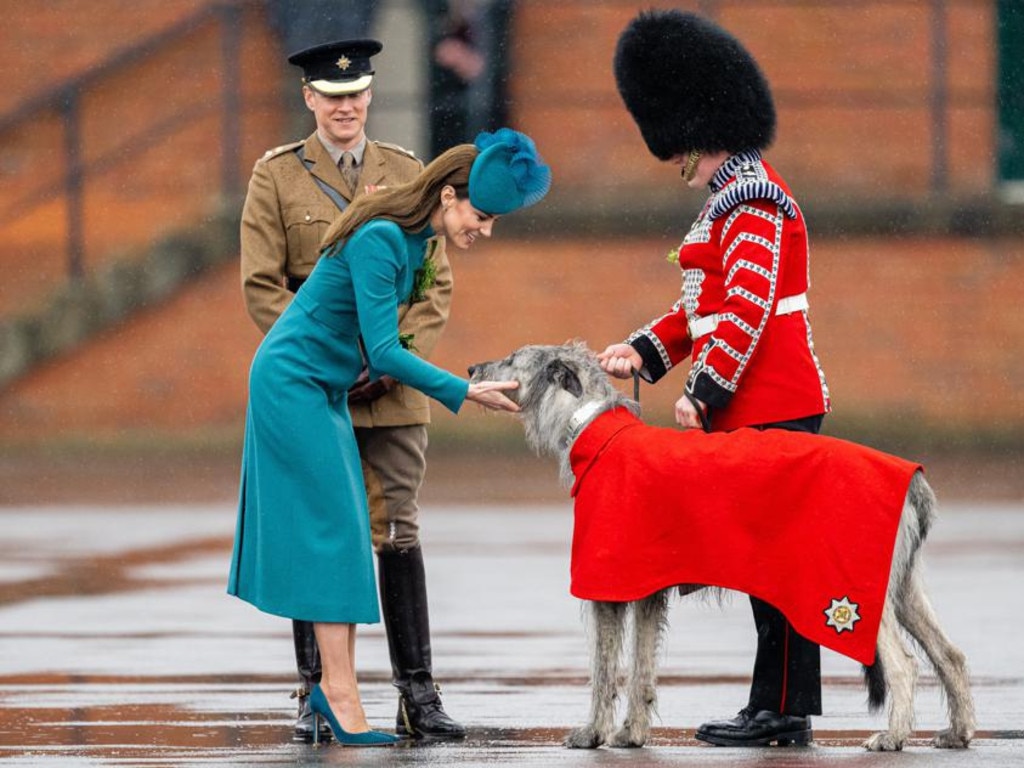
x: 321, y: 709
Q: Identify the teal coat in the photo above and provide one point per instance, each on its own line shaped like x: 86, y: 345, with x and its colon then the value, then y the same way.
x: 302, y: 543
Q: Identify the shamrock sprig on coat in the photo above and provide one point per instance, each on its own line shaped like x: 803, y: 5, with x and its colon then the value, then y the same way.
x: 424, y: 278
x: 408, y: 341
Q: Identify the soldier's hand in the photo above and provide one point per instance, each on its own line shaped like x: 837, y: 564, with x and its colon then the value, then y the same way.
x: 687, y: 415
x: 366, y: 391
x: 620, y: 360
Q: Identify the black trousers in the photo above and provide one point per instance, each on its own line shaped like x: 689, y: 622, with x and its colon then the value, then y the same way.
x: 787, y: 668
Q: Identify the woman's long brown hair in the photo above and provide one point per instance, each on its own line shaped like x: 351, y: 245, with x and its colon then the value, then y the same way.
x: 409, y: 205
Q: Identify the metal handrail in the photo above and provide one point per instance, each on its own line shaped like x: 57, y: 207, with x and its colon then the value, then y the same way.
x: 64, y: 99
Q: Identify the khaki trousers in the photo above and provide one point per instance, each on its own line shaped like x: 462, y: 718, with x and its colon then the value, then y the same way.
x: 394, y: 463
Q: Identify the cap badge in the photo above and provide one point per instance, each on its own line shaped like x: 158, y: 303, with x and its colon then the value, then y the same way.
x: 842, y: 614
x: 344, y: 63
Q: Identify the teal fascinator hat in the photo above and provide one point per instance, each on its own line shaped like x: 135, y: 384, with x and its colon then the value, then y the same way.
x: 508, y: 174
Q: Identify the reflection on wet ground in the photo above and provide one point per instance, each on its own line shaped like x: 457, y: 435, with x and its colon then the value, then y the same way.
x: 118, y: 646
x: 175, y: 734
x: 190, y: 722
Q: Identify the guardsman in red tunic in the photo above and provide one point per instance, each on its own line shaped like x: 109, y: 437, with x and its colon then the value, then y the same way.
x: 701, y: 101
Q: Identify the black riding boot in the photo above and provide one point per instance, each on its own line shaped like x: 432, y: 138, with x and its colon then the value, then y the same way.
x: 403, y: 595
x: 307, y: 659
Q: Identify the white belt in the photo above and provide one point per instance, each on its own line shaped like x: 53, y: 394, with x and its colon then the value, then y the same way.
x: 702, y: 326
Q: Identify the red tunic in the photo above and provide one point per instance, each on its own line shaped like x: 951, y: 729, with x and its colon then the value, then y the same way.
x: 805, y: 522
x: 746, y: 252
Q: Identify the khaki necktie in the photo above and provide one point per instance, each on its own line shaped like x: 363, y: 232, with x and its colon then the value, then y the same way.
x: 349, y: 171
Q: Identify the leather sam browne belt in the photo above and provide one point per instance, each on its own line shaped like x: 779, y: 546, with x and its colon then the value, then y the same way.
x: 702, y: 326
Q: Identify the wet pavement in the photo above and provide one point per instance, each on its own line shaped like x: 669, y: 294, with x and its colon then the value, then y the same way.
x: 118, y: 646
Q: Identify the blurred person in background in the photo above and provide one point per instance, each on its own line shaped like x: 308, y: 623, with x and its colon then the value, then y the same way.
x: 468, y: 68
x: 296, y: 192
x: 701, y: 102
x: 302, y: 544
x: 307, y: 23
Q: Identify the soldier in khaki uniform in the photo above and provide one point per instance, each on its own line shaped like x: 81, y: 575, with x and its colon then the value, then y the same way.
x: 295, y: 192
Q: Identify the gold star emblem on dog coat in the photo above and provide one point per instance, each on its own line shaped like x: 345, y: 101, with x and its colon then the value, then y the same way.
x: 842, y: 614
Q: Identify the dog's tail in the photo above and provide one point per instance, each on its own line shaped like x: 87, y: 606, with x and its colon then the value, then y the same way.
x: 874, y: 679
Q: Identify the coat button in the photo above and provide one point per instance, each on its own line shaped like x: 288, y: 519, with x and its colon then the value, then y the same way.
x: 308, y: 217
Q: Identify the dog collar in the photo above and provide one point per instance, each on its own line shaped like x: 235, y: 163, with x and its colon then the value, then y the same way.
x: 580, y: 417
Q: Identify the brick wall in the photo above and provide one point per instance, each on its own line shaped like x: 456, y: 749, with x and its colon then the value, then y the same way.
x: 851, y: 80
x: 43, y: 44
x: 915, y: 334
x: 149, y: 133
x: 919, y: 338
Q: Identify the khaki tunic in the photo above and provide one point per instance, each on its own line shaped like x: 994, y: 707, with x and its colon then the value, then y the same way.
x: 284, y: 219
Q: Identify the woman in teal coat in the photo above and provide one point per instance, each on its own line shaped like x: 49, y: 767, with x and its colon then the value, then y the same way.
x: 302, y: 545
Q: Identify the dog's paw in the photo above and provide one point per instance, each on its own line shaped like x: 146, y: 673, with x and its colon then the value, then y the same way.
x: 950, y: 739
x: 883, y: 741
x: 586, y: 737
x: 628, y: 737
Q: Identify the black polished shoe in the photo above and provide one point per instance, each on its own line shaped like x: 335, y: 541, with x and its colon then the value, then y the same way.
x: 757, y: 728
x: 420, y: 713
x: 305, y: 722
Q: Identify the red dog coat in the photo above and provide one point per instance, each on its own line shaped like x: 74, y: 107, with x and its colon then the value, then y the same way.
x: 805, y: 522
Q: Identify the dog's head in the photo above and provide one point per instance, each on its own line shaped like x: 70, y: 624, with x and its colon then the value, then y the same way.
x: 554, y: 381
x: 541, y: 370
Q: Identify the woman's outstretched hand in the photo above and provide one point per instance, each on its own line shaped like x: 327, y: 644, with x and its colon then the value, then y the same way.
x: 620, y: 360
x: 490, y: 394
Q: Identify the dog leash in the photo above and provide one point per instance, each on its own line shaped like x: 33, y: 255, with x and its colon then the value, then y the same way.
x: 705, y: 422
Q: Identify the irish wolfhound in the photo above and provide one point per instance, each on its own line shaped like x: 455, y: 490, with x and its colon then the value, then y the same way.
x: 562, y: 390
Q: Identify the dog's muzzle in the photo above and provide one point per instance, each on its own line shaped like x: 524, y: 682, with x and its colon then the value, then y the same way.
x: 478, y: 372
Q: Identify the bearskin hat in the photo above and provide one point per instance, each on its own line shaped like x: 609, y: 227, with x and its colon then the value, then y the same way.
x: 690, y: 85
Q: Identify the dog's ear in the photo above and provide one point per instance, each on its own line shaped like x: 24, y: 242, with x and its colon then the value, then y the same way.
x: 565, y: 377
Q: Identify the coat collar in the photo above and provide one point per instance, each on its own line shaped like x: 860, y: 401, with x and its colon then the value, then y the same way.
x: 325, y: 169
x: 322, y: 165
x: 594, y: 439
x: 727, y: 170
x: 580, y: 418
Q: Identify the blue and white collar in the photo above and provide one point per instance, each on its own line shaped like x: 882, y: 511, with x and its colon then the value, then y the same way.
x: 732, y: 164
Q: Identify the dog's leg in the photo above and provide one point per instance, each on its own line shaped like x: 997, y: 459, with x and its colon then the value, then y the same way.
x: 900, y: 670
x: 917, y: 616
x: 608, y: 620
x: 648, y: 624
